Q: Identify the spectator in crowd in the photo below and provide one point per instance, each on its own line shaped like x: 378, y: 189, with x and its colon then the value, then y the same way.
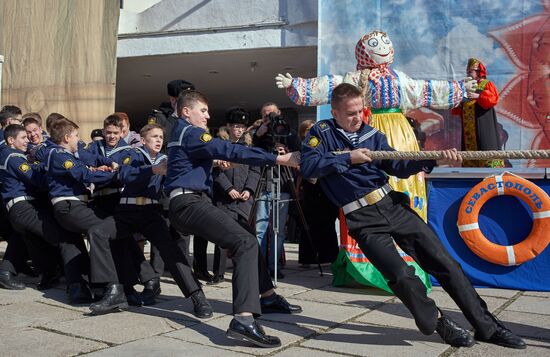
x: 130, y: 137
x: 320, y: 215
x: 96, y: 135
x: 234, y: 187
x: 265, y: 139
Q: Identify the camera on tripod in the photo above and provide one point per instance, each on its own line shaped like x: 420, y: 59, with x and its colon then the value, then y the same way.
x: 277, y: 127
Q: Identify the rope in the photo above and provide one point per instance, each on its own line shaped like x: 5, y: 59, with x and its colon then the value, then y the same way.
x: 466, y: 155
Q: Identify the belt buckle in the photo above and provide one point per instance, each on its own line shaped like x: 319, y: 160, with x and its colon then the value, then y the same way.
x: 140, y: 201
x: 374, y: 196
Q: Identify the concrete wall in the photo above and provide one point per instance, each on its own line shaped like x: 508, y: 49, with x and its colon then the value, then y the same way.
x: 177, y: 26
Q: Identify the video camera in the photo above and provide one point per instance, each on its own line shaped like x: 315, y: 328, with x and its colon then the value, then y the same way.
x: 278, y: 127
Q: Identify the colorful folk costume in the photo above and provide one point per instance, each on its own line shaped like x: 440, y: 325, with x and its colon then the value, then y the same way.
x: 389, y: 93
x: 479, y: 121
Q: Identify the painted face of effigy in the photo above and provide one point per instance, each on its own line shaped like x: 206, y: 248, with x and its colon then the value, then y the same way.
x: 373, y: 50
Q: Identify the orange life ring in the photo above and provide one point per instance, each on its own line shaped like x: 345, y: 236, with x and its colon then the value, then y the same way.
x: 505, y: 184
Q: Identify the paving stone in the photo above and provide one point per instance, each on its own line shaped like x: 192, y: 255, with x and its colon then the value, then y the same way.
x: 397, y: 315
x: 316, y: 315
x: 501, y: 293
x: 181, y: 308
x: 17, y: 296
x: 533, y: 304
x: 372, y: 340
x: 303, y: 352
x: 534, y: 349
x: 527, y: 324
x: 213, y: 334
x: 303, y: 281
x: 544, y: 294
x: 31, y: 314
x: 362, y: 296
x: 160, y: 346
x: 33, y: 342
x: 443, y: 300
x: 118, y: 327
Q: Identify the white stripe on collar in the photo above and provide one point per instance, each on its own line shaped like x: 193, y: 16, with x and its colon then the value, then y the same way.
x: 13, y: 154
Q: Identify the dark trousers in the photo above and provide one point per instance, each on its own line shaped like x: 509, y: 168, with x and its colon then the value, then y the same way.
x: 220, y: 259
x: 39, y: 231
x: 77, y: 217
x: 182, y: 241
x: 200, y: 257
x: 16, y: 255
x: 46, y: 239
x: 195, y: 214
x: 148, y: 221
x: 131, y: 266
x: 373, y: 227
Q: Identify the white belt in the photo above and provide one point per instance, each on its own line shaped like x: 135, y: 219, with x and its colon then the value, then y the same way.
x: 81, y: 198
x: 106, y: 191
x: 140, y: 201
x: 368, y: 199
x: 181, y: 191
x: 17, y: 199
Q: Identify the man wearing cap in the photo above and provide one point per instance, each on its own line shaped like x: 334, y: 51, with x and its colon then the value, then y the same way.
x: 166, y: 115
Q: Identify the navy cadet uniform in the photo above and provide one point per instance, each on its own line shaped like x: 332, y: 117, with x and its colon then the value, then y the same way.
x: 67, y: 179
x: 106, y: 198
x: 107, y: 195
x: 29, y: 216
x: 140, y: 211
x: 375, y: 214
x: 15, y: 256
x: 168, y: 120
x: 189, y: 185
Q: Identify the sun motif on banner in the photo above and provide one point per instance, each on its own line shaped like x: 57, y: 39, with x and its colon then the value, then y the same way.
x: 525, y: 99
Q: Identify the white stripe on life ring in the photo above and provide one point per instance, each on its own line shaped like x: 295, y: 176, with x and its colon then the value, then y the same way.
x: 500, y: 188
x: 511, y: 255
x: 468, y: 227
x: 542, y: 214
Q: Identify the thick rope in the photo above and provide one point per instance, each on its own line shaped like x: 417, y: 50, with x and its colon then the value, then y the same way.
x: 466, y: 155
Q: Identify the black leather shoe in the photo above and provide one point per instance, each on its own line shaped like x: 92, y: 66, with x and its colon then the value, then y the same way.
x: 150, y: 291
x: 204, y: 276
x: 201, y: 307
x: 28, y: 270
x: 113, y: 300
x: 48, y: 281
x: 79, y: 293
x: 133, y: 297
x: 8, y: 281
x: 453, y: 334
x: 503, y: 337
x: 215, y: 280
x: 279, y: 305
x: 252, y: 333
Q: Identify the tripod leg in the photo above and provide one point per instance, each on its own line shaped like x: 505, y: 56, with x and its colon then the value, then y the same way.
x: 303, y: 219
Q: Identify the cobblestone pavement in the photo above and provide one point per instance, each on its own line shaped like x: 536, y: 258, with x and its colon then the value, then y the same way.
x: 336, y: 321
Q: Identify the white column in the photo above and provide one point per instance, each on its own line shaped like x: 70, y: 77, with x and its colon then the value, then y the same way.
x: 1, y: 63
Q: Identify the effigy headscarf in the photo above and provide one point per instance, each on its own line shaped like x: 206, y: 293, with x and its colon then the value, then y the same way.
x: 374, y: 50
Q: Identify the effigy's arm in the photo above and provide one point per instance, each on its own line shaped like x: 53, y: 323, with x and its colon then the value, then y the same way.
x: 313, y: 91
x: 436, y: 94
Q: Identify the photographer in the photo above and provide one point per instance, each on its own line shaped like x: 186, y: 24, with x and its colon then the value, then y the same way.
x: 273, y: 135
